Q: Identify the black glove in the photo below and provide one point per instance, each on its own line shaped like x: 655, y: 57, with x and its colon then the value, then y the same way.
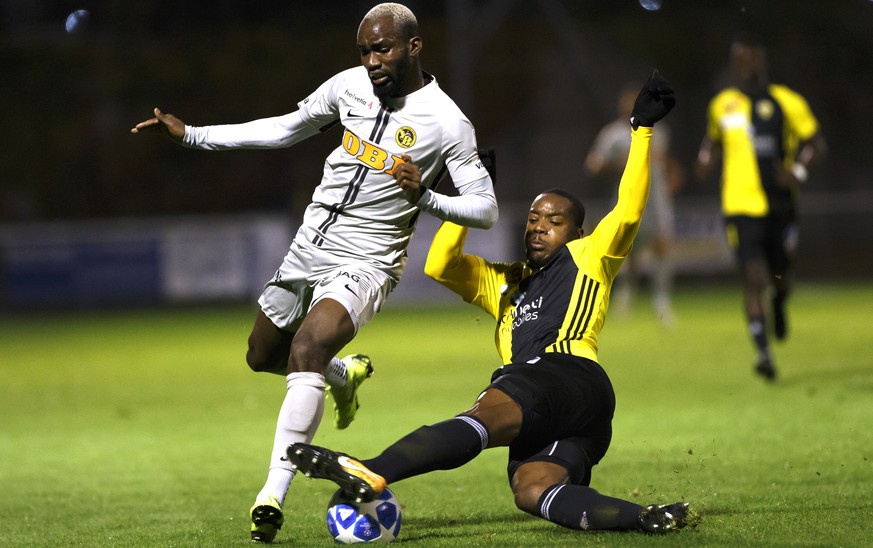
x: 653, y: 103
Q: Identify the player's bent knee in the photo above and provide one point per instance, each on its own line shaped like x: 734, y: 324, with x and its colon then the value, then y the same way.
x: 261, y: 361
x: 532, y: 479
x: 527, y: 496
x: 256, y: 364
x: 252, y: 360
x: 255, y: 359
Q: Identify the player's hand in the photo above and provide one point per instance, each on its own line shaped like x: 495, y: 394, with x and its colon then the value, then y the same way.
x: 655, y: 101
x: 165, y: 123
x: 408, y: 177
x: 785, y: 178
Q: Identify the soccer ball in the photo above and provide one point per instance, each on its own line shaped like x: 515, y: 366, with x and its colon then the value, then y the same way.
x: 351, y: 522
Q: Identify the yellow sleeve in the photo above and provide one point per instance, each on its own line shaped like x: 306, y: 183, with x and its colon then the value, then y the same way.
x: 798, y: 116
x: 713, y: 131
x: 800, y: 123
x: 614, y: 235
x: 479, y: 282
x: 447, y: 264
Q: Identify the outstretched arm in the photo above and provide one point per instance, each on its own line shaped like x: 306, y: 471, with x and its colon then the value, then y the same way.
x: 620, y: 226
x: 447, y: 264
x: 275, y: 132
x: 167, y: 124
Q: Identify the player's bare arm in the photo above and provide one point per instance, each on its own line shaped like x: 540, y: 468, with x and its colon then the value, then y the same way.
x: 408, y: 177
x: 709, y: 154
x: 811, y: 153
x: 165, y: 123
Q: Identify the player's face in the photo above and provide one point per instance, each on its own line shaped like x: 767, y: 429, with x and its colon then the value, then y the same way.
x: 748, y: 64
x: 388, y: 57
x: 549, y: 228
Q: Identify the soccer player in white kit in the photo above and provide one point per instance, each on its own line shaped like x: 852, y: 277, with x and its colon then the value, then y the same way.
x: 350, y: 251
x: 608, y: 155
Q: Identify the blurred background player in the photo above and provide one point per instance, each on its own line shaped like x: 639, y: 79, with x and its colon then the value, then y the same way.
x: 551, y: 403
x: 605, y: 160
x: 767, y: 139
x: 350, y: 251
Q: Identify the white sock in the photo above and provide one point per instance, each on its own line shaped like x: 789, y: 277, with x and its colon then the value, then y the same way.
x: 335, y: 374
x: 277, y: 484
x: 299, y: 418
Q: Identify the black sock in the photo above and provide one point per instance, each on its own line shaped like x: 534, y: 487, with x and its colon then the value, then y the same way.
x: 780, y: 323
x: 779, y: 297
x: 442, y: 446
x: 580, y: 507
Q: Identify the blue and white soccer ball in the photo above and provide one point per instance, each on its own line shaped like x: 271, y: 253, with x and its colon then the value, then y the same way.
x: 351, y: 522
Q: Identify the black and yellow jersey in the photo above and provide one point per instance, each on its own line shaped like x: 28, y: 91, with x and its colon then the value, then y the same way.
x: 757, y: 131
x: 560, y: 307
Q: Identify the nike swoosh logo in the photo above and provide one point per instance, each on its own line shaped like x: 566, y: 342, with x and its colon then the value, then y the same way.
x: 351, y: 114
x: 351, y: 290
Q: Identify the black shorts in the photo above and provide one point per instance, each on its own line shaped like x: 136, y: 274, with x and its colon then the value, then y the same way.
x: 771, y: 239
x: 567, y: 405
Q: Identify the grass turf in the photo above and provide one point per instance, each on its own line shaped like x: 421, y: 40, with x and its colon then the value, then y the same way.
x: 145, y: 428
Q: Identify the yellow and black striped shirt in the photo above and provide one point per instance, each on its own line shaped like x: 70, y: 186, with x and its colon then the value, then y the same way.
x: 560, y: 307
x: 756, y: 132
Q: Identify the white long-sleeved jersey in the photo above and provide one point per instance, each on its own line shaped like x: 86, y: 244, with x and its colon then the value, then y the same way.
x: 358, y: 211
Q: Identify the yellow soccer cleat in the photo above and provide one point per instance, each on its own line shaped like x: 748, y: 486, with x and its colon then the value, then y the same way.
x: 267, y: 519
x: 345, y: 398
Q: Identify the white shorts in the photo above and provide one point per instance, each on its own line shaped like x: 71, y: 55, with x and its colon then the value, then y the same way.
x: 307, y: 276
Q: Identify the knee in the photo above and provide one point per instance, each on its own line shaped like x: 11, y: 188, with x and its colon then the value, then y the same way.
x: 531, y: 480
x: 261, y: 359
x: 255, y: 358
x: 527, y: 496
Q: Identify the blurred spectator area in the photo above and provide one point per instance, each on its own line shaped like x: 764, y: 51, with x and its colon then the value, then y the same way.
x: 536, y: 77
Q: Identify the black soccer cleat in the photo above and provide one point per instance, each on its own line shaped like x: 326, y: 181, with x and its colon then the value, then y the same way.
x: 659, y: 519
x: 356, y: 481
x: 765, y: 368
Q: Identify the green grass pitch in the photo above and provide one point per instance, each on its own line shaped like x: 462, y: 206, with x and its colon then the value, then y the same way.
x: 145, y: 428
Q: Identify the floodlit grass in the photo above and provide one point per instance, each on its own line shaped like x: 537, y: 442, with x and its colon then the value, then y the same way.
x: 145, y: 428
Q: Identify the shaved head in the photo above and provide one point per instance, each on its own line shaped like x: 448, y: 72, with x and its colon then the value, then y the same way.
x: 402, y: 16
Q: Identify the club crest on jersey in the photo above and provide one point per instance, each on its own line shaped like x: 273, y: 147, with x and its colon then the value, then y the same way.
x: 765, y: 109
x: 370, y: 154
x: 405, y: 136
